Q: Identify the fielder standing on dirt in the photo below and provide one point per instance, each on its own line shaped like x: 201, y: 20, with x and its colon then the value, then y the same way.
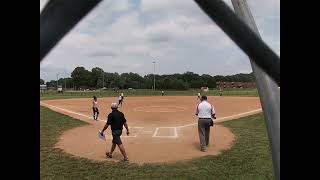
x: 205, y: 113
x: 120, y: 100
x: 95, y: 108
x: 116, y: 120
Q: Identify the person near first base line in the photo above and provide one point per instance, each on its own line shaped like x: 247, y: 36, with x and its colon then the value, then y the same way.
x: 95, y: 108
x: 205, y: 111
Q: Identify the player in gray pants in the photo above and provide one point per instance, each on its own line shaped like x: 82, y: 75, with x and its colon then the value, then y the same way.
x: 204, y: 132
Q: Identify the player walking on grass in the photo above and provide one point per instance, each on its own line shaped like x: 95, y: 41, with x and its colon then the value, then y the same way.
x: 205, y: 112
x: 95, y: 108
x: 116, y: 120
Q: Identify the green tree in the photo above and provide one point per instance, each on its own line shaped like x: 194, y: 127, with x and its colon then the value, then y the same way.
x: 208, y: 80
x: 51, y: 83
x: 96, y: 75
x: 84, y: 78
x: 81, y: 77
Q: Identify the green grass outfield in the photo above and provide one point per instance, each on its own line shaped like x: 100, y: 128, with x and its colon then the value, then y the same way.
x: 249, y: 158
x: 81, y: 94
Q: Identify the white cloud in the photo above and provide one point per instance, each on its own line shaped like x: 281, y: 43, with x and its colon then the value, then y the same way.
x: 179, y: 28
x: 124, y: 35
x: 120, y: 5
x: 172, y: 6
x: 136, y: 49
x: 264, y: 8
x: 166, y: 5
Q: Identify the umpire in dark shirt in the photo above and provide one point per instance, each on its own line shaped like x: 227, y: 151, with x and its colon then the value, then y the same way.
x: 116, y: 120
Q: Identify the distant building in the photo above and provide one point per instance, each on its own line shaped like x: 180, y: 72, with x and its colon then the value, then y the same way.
x: 236, y: 85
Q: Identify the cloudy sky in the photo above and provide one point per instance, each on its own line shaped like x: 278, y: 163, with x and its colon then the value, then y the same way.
x: 128, y: 35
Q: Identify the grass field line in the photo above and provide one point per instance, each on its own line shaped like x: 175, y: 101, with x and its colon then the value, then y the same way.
x: 62, y: 109
x: 83, y: 115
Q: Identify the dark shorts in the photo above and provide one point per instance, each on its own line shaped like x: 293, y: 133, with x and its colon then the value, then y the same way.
x: 120, y: 102
x: 116, y: 137
x: 95, y: 109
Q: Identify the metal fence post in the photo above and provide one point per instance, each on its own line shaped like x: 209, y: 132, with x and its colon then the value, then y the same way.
x: 268, y: 90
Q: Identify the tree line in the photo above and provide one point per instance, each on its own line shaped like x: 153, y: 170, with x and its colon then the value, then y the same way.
x: 97, y: 78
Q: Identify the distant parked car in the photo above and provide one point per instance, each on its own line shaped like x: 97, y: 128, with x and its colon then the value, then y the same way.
x: 43, y: 87
x: 60, y: 90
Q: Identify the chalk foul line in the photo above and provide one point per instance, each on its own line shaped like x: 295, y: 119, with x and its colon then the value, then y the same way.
x: 154, y: 135
x: 83, y: 115
x: 225, y: 118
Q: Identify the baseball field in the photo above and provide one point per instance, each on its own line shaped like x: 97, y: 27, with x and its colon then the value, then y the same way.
x: 163, y: 143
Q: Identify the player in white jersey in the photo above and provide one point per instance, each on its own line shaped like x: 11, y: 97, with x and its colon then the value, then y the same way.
x: 95, y: 108
x: 205, y: 113
x: 120, y: 99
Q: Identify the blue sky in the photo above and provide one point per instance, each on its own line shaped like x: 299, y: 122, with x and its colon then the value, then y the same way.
x: 127, y: 35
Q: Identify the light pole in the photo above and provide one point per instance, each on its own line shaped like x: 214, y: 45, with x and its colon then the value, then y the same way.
x: 154, y: 75
x: 57, y: 80
x: 65, y: 80
x: 102, y: 79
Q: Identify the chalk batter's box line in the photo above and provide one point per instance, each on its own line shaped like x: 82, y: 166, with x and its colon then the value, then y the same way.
x: 216, y: 121
x: 72, y: 112
x: 157, y: 129
x: 124, y: 136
